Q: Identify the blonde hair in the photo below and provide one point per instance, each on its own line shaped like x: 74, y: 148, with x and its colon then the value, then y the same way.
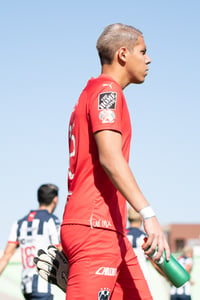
x: 133, y: 215
x: 113, y: 37
x: 187, y: 250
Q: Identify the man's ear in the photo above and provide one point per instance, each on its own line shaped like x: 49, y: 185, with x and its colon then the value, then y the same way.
x: 55, y: 200
x: 122, y: 54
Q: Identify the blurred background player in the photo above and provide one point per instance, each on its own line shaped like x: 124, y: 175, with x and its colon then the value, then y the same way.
x: 37, y: 229
x: 136, y: 236
x: 186, y: 260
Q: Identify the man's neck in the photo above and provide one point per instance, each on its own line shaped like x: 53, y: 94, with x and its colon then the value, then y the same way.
x: 48, y: 208
x: 136, y: 224
x: 116, y: 73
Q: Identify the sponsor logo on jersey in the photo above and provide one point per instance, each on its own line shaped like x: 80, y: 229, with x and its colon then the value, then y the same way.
x: 107, y: 100
x: 107, y: 116
x: 106, y: 271
x: 104, y: 294
x: 99, y: 223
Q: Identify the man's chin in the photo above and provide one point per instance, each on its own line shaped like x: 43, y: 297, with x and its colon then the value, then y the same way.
x: 138, y: 81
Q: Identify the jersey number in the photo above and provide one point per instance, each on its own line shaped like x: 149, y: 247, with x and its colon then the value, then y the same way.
x: 72, y: 147
x: 28, y: 254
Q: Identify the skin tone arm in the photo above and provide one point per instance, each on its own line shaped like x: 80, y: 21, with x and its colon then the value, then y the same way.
x: 111, y: 158
x: 188, y: 268
x: 8, y: 253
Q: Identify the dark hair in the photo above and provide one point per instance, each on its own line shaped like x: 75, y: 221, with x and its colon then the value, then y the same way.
x: 46, y: 193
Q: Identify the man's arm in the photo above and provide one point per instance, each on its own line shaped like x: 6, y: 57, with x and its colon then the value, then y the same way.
x: 109, y: 144
x: 8, y: 253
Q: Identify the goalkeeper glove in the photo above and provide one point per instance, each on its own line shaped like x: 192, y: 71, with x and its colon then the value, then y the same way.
x: 53, y: 266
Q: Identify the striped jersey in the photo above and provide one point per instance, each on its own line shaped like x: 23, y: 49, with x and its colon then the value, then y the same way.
x: 136, y: 238
x: 37, y: 230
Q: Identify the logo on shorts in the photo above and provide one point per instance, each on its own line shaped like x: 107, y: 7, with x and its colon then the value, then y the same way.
x: 106, y: 271
x: 107, y: 100
x: 104, y: 294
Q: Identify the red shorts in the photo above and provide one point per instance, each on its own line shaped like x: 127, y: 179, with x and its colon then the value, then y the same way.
x: 102, y: 264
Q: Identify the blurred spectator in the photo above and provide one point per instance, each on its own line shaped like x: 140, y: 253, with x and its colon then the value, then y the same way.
x: 136, y: 237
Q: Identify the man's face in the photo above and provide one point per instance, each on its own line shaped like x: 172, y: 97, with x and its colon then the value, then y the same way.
x: 137, y: 62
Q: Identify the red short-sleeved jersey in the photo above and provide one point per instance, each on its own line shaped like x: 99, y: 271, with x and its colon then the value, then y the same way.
x: 93, y: 200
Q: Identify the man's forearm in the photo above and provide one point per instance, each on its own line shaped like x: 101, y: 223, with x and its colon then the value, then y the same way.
x: 8, y: 253
x: 3, y: 262
x: 123, y: 179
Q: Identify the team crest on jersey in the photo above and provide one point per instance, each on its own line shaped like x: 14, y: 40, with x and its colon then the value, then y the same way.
x: 104, y: 294
x: 107, y: 116
x: 107, y: 100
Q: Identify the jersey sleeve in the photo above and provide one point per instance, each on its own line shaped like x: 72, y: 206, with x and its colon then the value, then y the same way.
x: 13, y: 238
x: 105, y: 109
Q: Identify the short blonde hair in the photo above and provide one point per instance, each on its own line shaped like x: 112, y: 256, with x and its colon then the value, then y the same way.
x: 113, y: 37
x: 187, y: 250
x: 133, y: 215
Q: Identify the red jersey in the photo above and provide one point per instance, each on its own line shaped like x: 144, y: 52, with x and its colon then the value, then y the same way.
x: 93, y: 200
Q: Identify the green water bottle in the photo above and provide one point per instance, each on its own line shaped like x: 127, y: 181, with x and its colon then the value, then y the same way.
x: 171, y: 269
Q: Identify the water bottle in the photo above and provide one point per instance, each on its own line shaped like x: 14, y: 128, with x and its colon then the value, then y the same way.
x: 171, y: 269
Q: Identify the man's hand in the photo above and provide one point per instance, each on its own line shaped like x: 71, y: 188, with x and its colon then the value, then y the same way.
x: 53, y: 266
x: 156, y: 239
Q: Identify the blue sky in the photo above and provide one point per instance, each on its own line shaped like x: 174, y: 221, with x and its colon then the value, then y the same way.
x: 48, y: 53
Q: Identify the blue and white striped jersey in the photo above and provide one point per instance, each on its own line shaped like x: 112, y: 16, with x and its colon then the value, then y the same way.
x: 37, y: 230
x: 136, y: 237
